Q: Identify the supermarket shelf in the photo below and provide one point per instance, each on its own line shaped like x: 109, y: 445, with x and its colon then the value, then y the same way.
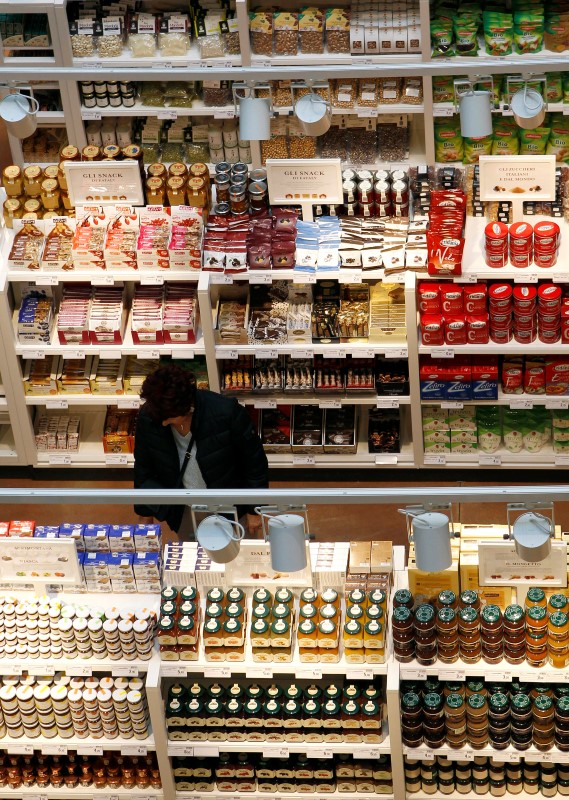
x: 227, y: 112
x: 59, y: 400
x: 448, y: 109
x: 76, y: 667
x: 546, y: 458
x: 79, y: 793
x: 536, y: 348
x: 503, y: 671
x: 337, y: 59
x: 254, y: 669
x: 191, y: 59
x: 467, y: 796
x: 359, y: 349
x: 361, y: 459
x: 325, y: 400
x: 523, y: 400
x: 299, y: 276
x: 128, y: 347
x: 291, y: 796
x: 510, y: 754
x: 101, y: 277
x: 25, y: 744
x: 281, y: 749
x: 51, y: 118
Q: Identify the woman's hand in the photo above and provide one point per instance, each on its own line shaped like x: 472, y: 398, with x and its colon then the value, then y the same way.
x: 254, y: 526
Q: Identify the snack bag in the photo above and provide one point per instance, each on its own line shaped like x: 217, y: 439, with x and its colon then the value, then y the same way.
x: 534, y: 142
x: 474, y: 148
x: 506, y: 141
x: 442, y: 38
x: 529, y: 30
x: 498, y: 33
x: 448, y: 141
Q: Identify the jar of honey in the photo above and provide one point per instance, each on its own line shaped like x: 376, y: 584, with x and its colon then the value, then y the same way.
x: 469, y: 598
x: 50, y: 194
x: 12, y: 210
x: 157, y: 171
x: 403, y: 597
x: 12, y: 181
x: 175, y: 191
x: 155, y: 192
x: 557, y: 602
x: 69, y: 153
x: 558, y: 626
x: 307, y: 634
x: 447, y: 599
x: 353, y: 634
x: 33, y: 177
x: 261, y: 596
x: 91, y: 153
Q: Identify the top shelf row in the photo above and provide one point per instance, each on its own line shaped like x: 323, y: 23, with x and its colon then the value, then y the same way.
x: 390, y: 35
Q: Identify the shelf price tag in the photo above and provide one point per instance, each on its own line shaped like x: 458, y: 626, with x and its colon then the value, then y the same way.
x: 261, y: 353
x: 368, y: 752
x: 397, y: 352
x: 103, y: 280
x: 20, y: 749
x: 151, y: 280
x: 312, y: 673
x: 221, y: 278
x: 59, y: 458
x: 526, y: 277
x: 442, y: 352
x: 547, y: 757
x: 36, y: 670
x: 323, y: 752
x: 452, y: 404
x: 183, y: 750
x: 442, y: 111
x: 230, y: 354
x: 110, y: 797
x: 183, y: 352
x: 37, y: 797
x: 414, y: 674
x: 108, y: 354
x: 167, y: 114
x: 47, y: 280
x: 368, y: 352
x: 78, y: 671
x: 278, y: 751
x: 435, y: 460
x: 468, y: 755
x: 90, y: 115
x: 334, y: 352
x: 217, y: 672
x: 359, y: 674
x: 452, y: 675
x: 488, y: 460
x: 302, y: 354
x: 57, y: 402
x: 306, y: 461
x: 330, y: 404
x: 499, y: 676
x: 36, y: 355
x: 124, y: 671
x: 265, y: 404
x: 152, y: 353
x: 557, y: 403
x: 386, y: 458
x: 54, y: 749
x: 466, y: 279
x: 561, y: 461
x: 561, y: 277
x: 75, y: 353
x: 260, y: 277
x: 90, y: 750
x: 259, y: 672
x: 304, y: 278
x: 349, y: 277
x: 173, y: 670
x: 134, y: 750
x: 387, y: 402
x: 116, y: 459
x: 525, y: 405
x: 128, y: 402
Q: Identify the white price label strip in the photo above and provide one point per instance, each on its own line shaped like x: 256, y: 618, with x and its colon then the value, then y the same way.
x: 54, y: 749
x: 452, y: 675
x: 36, y: 671
x: 261, y: 353
x: 47, y: 280
x: 525, y: 405
x: 334, y: 353
x: 37, y: 355
x: 90, y: 750
x: 322, y: 752
x: 173, y: 670
x: 359, y: 674
x: 78, y: 671
x: 265, y: 404
x: 414, y: 674
x: 128, y: 402
x: 312, y: 673
x: 330, y: 404
x: 398, y: 352
x: 59, y: 458
x: 152, y: 280
x: 442, y: 352
x: 452, y: 404
x: 260, y: 277
x: 488, y: 460
x: 116, y: 459
x: 259, y: 672
x: 217, y: 672
x: 20, y: 749
x: 124, y: 671
x: 278, y: 751
x: 302, y: 354
x: 304, y: 278
x: 183, y: 352
x: 307, y: 461
x: 205, y: 750
x: 231, y: 354
x: 554, y: 403
x: 134, y: 750
x: 387, y: 402
x: 220, y: 278
x: 386, y: 459
x: 102, y: 280
x: 57, y: 402
x: 349, y: 277
x: 435, y: 460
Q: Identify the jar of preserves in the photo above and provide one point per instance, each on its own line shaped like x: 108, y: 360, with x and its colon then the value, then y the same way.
x: 491, y: 620
x: 557, y: 602
x: 238, y: 201
x: 307, y: 633
x: 69, y: 153
x: 469, y: 598
x: 447, y: 599
x: 535, y: 597
x: 261, y: 596
x: 536, y: 619
x: 468, y: 620
x: 424, y: 618
x: 91, y: 153
x: 558, y: 626
x: 12, y: 181
x: 353, y: 634
x: 257, y: 196
x: 175, y: 191
x: 177, y: 170
x: 403, y: 598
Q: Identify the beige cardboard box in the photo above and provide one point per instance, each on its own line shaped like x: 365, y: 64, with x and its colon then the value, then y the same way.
x: 381, y: 557
x: 360, y: 557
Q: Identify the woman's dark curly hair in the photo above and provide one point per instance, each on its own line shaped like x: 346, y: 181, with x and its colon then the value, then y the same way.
x: 169, y: 392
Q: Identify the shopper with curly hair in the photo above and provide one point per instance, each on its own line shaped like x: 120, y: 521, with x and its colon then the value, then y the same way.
x: 195, y: 439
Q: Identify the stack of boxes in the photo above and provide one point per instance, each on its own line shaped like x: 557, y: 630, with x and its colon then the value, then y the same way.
x: 458, y: 379
x: 57, y: 433
x: 385, y: 28
x: 450, y: 431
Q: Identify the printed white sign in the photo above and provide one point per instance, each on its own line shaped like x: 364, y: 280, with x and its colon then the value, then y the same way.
x: 500, y: 565
x: 304, y: 180
x: 49, y: 561
x: 517, y: 177
x: 104, y: 182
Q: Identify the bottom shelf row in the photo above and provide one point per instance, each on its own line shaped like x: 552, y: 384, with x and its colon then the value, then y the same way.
x: 484, y: 776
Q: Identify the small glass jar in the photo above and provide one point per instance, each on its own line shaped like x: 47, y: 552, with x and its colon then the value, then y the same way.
x: 12, y: 181
x: 403, y: 598
x: 155, y: 192
x: 12, y: 210
x: 50, y: 194
x: 33, y: 176
x: 238, y: 201
x: 535, y: 597
x: 176, y: 191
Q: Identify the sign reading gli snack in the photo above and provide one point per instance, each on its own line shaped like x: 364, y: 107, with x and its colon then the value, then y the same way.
x: 293, y: 181
x: 517, y: 177
x: 104, y: 182
x: 28, y: 560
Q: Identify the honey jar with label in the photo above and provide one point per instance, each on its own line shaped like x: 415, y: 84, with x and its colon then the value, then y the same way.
x: 12, y: 181
x: 33, y: 177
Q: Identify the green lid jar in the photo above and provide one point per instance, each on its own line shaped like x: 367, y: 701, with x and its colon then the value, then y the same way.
x: 562, y: 707
x: 308, y: 596
x: 543, y: 704
x: 254, y: 691
x: 165, y: 625
x: 186, y: 625
x: 468, y: 618
x: 169, y: 593
x: 214, y: 707
x: 402, y: 618
x: 491, y: 617
x: 333, y: 691
x: 214, y: 611
x: 521, y: 704
x: 371, y: 692
x: 212, y: 626
x: 454, y: 701
x: 235, y: 595
x: 355, y: 611
x: 234, y: 610
x: 373, y: 627
x: 311, y: 708
x: 331, y: 708
x: 308, y: 611
x: 433, y: 701
x: 350, y: 708
x: 403, y: 597
x: 168, y: 608
x: 447, y: 598
x: 259, y: 627
x: 235, y: 690
x: 410, y: 701
x: 273, y: 691
x: 188, y: 609
x: 469, y: 598
x: 283, y: 595
x: 372, y: 612
x: 499, y: 703
x: 253, y: 707
x: 376, y: 597
x: 307, y: 627
x: 475, y: 687
x: 188, y: 593
x: 281, y: 611
x: 424, y: 616
x: 535, y: 595
x: 476, y: 702
x: 232, y: 626
x: 291, y: 708
x: 261, y: 596
x: 216, y: 690
x: 177, y: 691
x: 446, y: 618
x: 174, y: 708
x: 196, y: 690
x: 261, y: 611
x: 215, y: 595
x: 194, y: 707
x: 558, y: 619
x: 513, y: 616
x: 234, y: 707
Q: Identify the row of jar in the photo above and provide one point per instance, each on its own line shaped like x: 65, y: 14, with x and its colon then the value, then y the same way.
x: 249, y: 772
x: 485, y: 776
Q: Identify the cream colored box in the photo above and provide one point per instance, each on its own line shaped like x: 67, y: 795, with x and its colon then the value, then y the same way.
x: 381, y: 557
x: 360, y: 557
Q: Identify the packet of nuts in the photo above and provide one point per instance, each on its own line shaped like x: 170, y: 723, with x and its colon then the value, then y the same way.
x: 285, y: 27
x: 389, y: 90
x: 261, y: 28
x: 368, y: 95
x: 311, y: 29
x: 338, y: 30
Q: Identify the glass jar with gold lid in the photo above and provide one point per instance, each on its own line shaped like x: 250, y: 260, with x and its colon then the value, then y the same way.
x: 197, y: 193
x: 12, y: 181
x: 91, y: 153
x: 175, y: 190
x: 177, y: 170
x: 50, y: 194
x: 69, y: 153
x: 51, y: 172
x: 155, y: 191
x: 33, y: 177
x: 32, y: 206
x: 12, y: 210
